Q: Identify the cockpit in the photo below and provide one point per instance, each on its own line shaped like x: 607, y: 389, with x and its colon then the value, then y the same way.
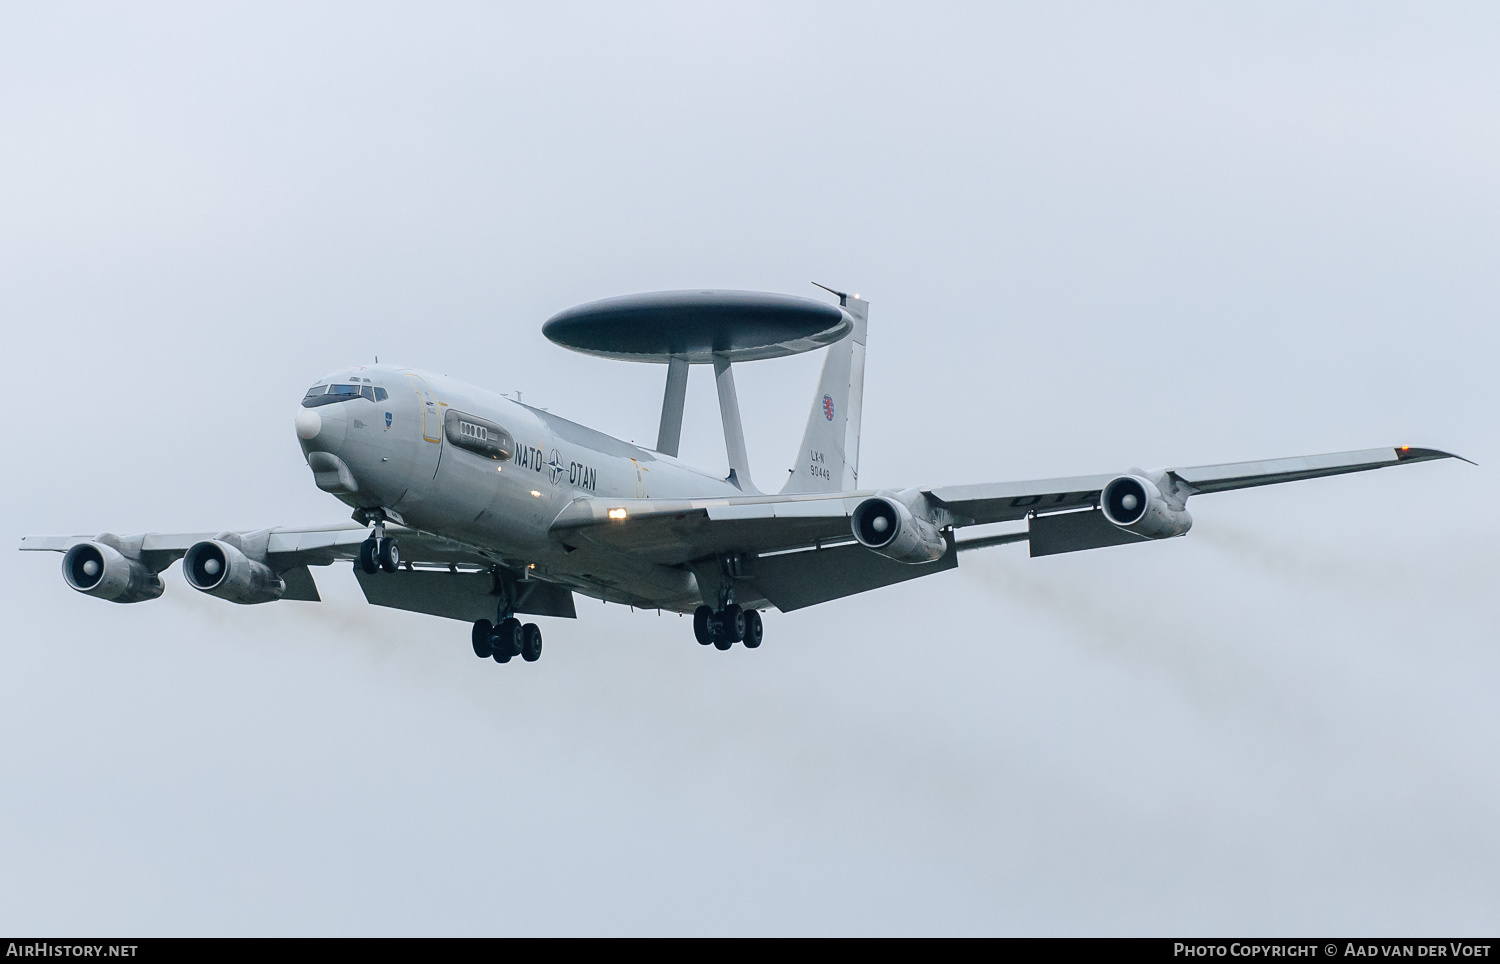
x: 343, y: 392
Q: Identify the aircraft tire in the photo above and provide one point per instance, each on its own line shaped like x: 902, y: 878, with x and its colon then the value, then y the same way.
x: 732, y: 619
x: 755, y: 630
x: 481, y: 637
x: 506, y: 640
x: 722, y: 642
x: 368, y: 556
x: 703, y: 625
x: 531, y: 642
x: 389, y: 555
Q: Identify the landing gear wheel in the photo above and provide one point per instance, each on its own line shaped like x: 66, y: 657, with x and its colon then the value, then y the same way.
x: 389, y: 555
x: 722, y: 642
x: 531, y: 642
x: 369, y: 556
x: 732, y: 619
x: 481, y: 636
x: 703, y: 625
x: 754, y: 629
x: 505, y: 641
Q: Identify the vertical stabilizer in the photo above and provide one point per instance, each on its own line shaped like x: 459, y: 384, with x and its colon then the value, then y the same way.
x: 829, y: 458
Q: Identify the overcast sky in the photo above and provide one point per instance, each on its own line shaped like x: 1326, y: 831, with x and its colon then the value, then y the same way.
x: 1093, y: 237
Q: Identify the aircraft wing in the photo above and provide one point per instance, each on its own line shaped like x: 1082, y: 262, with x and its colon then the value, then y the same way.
x: 672, y: 532
x: 286, y: 546
x: 290, y: 550
x: 800, y: 549
x: 1013, y: 501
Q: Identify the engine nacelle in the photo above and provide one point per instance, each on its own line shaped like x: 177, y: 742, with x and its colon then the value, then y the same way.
x: 1136, y: 504
x: 96, y: 569
x: 891, y: 529
x: 219, y: 569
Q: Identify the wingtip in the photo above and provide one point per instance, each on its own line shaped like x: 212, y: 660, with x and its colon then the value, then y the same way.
x: 1409, y: 453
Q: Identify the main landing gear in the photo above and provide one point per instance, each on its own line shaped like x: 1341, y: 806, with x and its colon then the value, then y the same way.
x: 728, y: 626
x: 506, y: 639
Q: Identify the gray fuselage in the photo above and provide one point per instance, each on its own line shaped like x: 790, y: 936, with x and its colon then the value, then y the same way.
x: 403, y: 451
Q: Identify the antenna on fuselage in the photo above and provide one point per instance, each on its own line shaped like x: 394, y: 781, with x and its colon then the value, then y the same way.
x: 843, y: 296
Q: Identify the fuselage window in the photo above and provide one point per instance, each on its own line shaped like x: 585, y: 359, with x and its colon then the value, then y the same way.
x: 368, y: 392
x: 381, y: 395
x: 316, y: 390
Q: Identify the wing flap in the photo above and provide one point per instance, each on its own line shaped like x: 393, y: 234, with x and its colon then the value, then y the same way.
x: 794, y: 580
x: 466, y: 596
x: 300, y: 585
x: 1074, y: 531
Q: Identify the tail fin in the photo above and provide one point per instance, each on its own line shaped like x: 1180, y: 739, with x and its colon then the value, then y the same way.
x: 829, y: 458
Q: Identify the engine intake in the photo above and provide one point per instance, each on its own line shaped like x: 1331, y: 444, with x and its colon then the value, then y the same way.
x: 1136, y: 504
x: 219, y: 569
x: 96, y: 569
x: 890, y: 528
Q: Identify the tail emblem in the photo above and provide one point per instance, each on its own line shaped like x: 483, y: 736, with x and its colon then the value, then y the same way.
x: 828, y: 407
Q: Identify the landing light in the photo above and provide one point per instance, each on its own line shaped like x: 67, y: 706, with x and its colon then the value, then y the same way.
x: 535, y: 494
x: 617, y: 513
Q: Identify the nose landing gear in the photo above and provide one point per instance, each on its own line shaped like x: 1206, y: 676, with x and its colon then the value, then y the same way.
x: 379, y: 551
x: 376, y: 554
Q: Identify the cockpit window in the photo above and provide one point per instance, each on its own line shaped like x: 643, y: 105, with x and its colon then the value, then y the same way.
x: 334, y: 394
x: 331, y: 394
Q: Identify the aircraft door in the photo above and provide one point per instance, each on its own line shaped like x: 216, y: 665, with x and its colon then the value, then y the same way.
x: 432, y: 416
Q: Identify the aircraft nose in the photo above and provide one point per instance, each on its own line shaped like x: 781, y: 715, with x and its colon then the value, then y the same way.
x: 309, y: 423
x: 322, y: 429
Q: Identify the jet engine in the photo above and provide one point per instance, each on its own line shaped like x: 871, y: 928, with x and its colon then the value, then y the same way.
x: 891, y: 529
x: 96, y: 569
x: 1136, y: 504
x: 219, y: 569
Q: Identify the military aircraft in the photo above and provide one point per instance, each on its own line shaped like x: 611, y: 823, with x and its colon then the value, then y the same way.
x: 476, y: 506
